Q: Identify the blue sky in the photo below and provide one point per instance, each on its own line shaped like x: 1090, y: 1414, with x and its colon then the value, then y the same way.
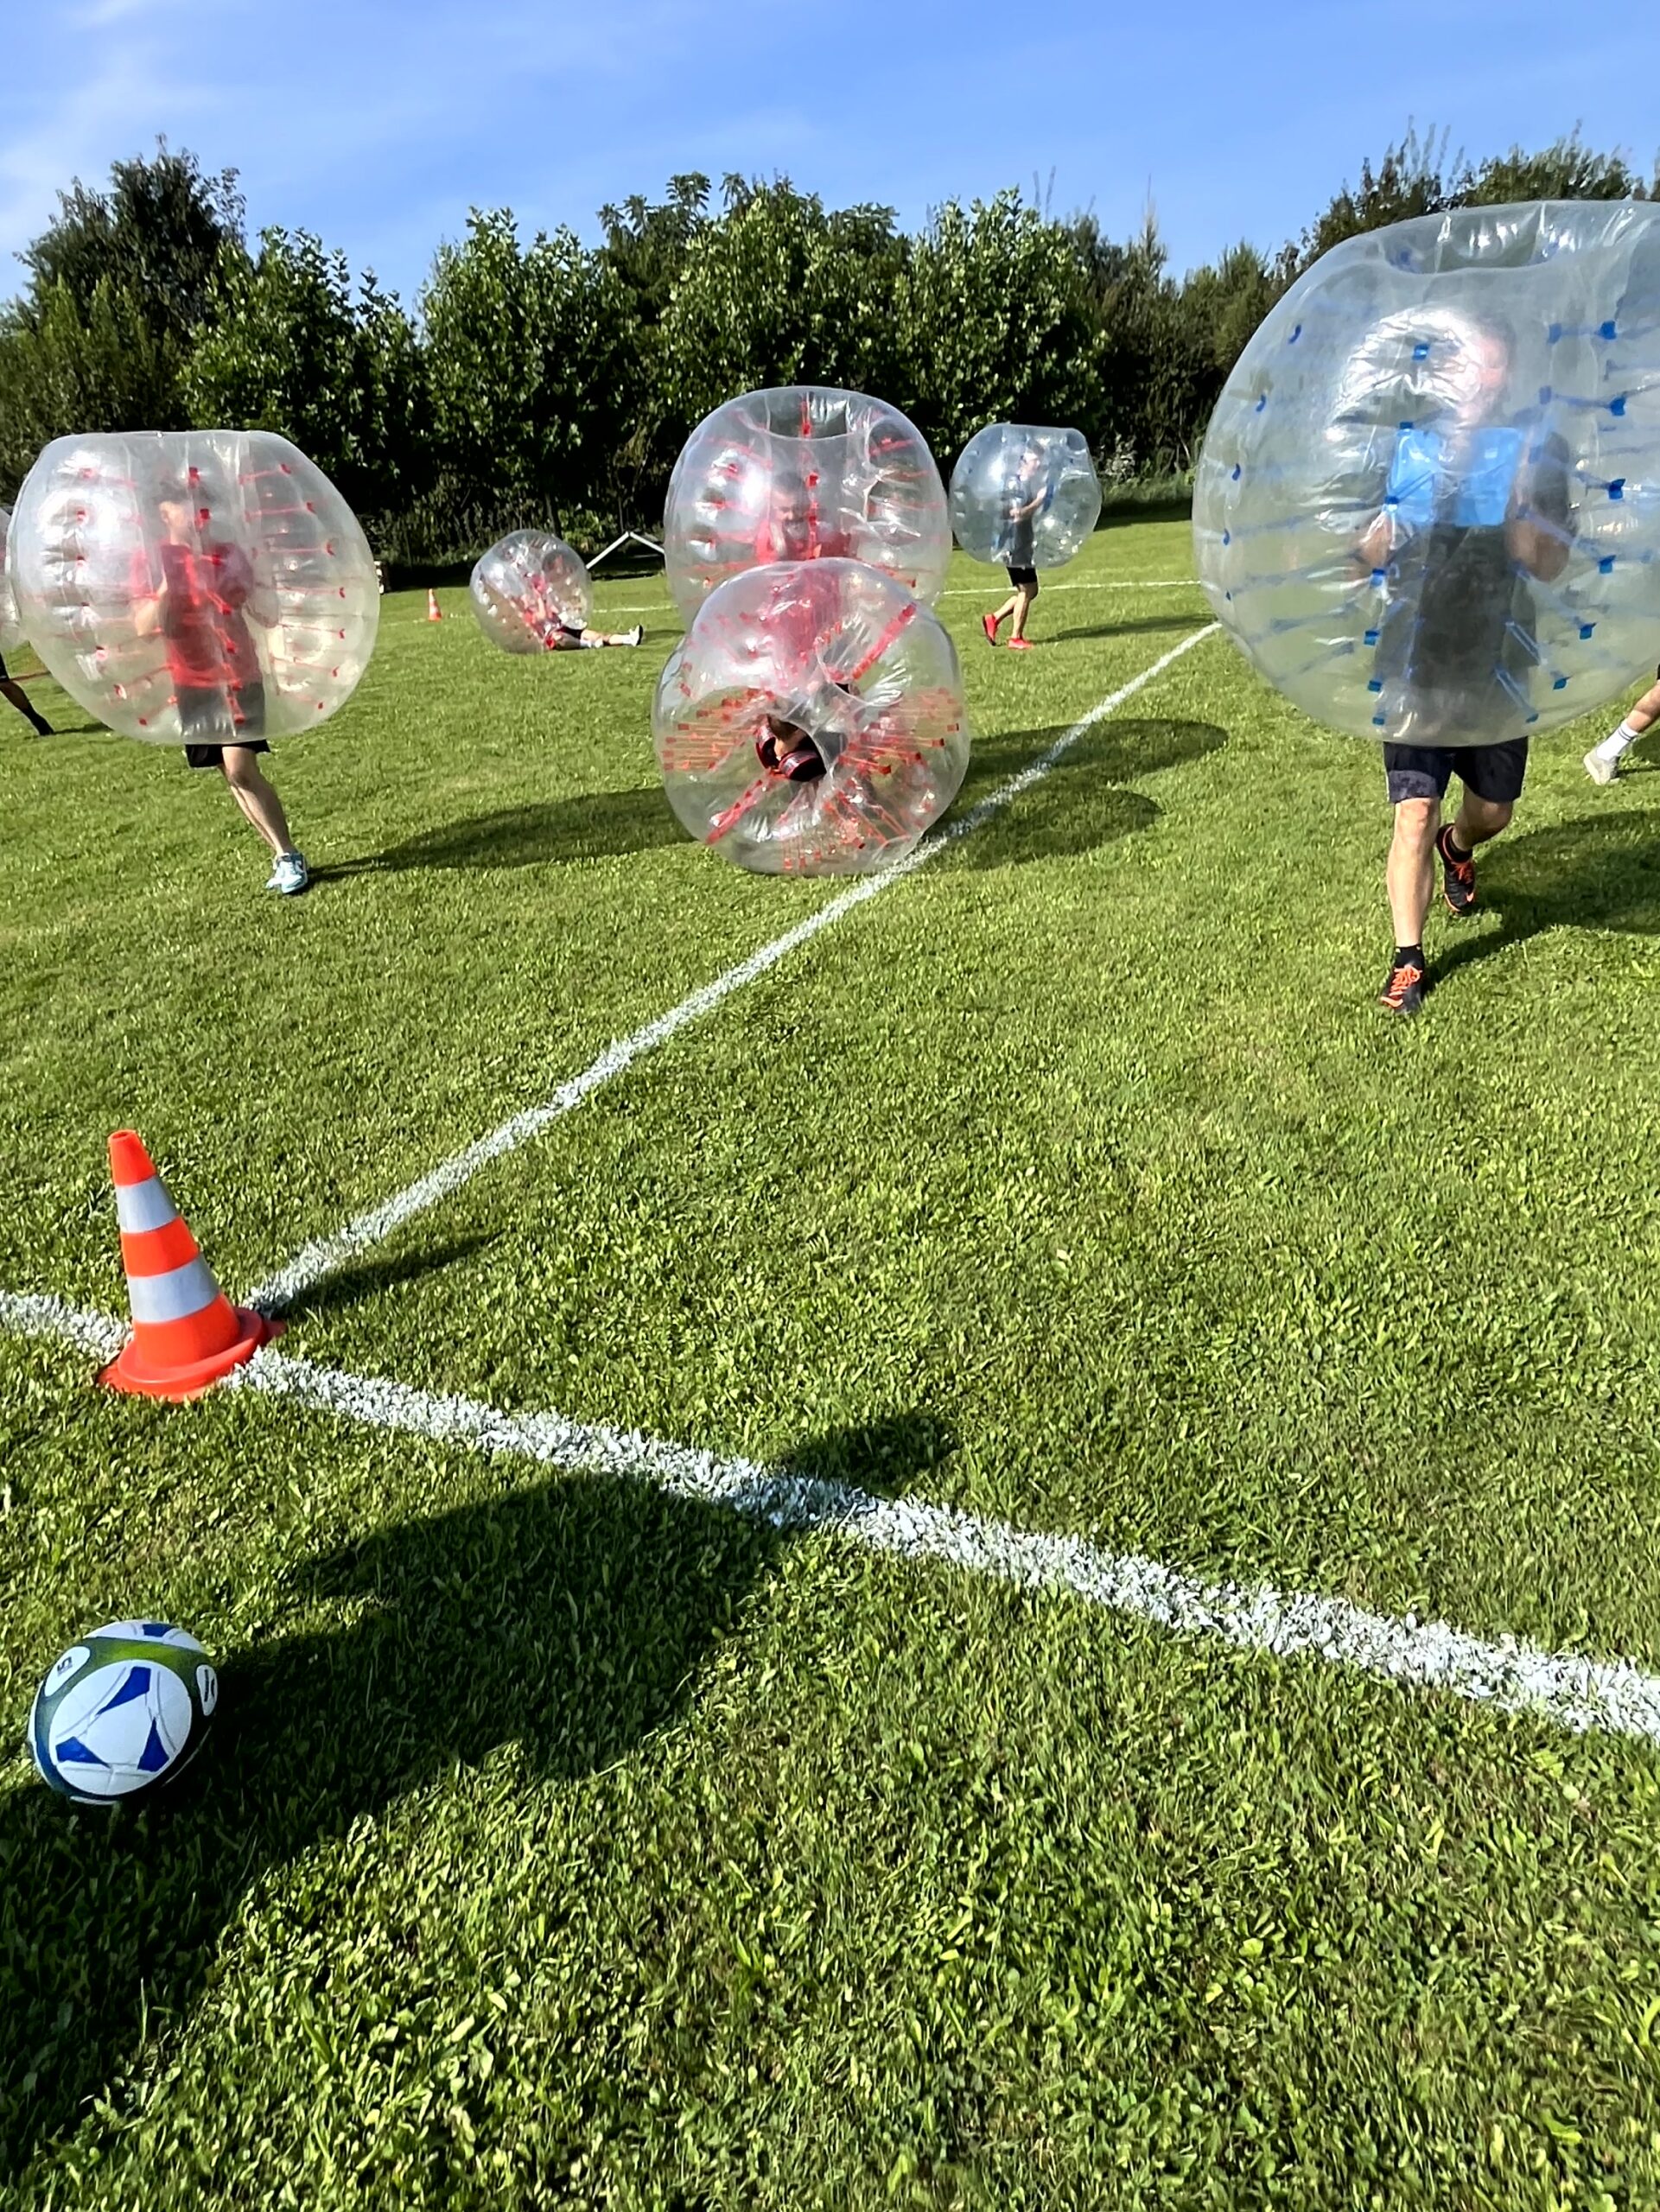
x: 379, y: 125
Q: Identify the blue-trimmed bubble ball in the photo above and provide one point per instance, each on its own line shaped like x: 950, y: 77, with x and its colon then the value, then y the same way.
x: 1427, y: 506
x: 1025, y: 497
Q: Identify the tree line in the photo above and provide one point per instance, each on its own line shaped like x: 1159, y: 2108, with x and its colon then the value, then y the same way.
x: 543, y: 379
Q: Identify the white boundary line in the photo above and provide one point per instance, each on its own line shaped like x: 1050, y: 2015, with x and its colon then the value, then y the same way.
x: 1612, y: 1697
x: 324, y: 1254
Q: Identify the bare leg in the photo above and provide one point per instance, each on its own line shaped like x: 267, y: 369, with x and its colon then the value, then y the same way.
x: 1022, y: 603
x: 255, y: 798
x: 1411, y: 872
x: 1602, y: 762
x: 1479, y: 819
x: 14, y: 694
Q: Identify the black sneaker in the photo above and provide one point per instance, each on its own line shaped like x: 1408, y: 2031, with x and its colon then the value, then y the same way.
x: 1458, y: 877
x: 1403, y: 993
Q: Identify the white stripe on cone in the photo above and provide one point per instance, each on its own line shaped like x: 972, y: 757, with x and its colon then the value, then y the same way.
x: 139, y: 1206
x: 173, y: 1296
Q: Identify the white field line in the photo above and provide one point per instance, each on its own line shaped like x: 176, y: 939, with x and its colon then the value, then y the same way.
x: 974, y: 591
x: 324, y: 1254
x: 1561, y: 1687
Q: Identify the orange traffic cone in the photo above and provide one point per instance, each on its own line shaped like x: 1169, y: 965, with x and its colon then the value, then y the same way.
x: 435, y: 613
x: 186, y: 1333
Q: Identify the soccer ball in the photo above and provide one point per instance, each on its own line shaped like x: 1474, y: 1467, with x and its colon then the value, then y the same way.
x: 122, y: 1710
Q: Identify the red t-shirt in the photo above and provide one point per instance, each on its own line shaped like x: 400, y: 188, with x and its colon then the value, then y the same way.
x: 209, y: 644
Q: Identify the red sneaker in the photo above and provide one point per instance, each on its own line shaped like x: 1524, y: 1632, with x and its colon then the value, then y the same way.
x: 1019, y: 644
x: 988, y: 624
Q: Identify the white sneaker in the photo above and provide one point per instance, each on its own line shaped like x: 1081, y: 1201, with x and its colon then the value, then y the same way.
x: 637, y: 635
x: 290, y: 875
x: 1599, y: 768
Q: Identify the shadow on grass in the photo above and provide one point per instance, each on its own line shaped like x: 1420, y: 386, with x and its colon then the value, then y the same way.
x: 1599, y: 873
x: 1083, y: 803
x: 570, y: 1618
x: 599, y: 825
x: 370, y: 1277
x: 1127, y: 629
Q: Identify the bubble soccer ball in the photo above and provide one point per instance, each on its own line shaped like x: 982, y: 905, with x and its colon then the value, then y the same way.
x: 1427, y: 506
x: 124, y: 1708
x: 804, y: 473
x: 811, y: 722
x: 1026, y: 498
x: 193, y: 586
x: 11, y: 626
x: 531, y: 592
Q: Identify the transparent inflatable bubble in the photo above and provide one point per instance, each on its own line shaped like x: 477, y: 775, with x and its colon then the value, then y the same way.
x: 193, y: 586
x: 531, y: 593
x: 1428, y: 507
x: 804, y: 473
x: 1024, y: 498
x: 811, y: 722
x: 11, y: 623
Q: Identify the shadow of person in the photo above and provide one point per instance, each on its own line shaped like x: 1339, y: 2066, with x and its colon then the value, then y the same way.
x: 569, y: 1618
x: 1142, y: 622
x: 1601, y: 872
x: 598, y: 825
x: 1084, y: 803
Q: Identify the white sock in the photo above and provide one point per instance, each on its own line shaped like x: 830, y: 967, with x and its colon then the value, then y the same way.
x: 1616, y: 742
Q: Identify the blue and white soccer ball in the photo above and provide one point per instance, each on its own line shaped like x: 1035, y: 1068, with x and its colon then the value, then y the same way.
x: 122, y: 1710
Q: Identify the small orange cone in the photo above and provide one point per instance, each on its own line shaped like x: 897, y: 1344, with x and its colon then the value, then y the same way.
x: 186, y: 1333
x: 435, y: 613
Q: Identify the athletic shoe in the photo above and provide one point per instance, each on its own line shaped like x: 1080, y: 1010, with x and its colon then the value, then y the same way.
x: 1019, y: 646
x: 637, y: 635
x: 40, y: 724
x: 289, y: 876
x: 1458, y: 877
x: 1599, y: 768
x: 988, y: 624
x: 1403, y: 993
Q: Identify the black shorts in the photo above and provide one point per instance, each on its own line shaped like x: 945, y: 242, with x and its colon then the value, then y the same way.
x: 209, y: 722
x: 1024, y: 580
x: 1491, y: 772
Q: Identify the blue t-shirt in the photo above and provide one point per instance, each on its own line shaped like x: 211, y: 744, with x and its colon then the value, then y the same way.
x: 1468, y: 484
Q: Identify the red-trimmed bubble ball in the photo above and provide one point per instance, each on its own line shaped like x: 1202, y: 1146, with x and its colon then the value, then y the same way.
x: 804, y: 473
x: 811, y: 722
x: 531, y: 593
x: 192, y: 585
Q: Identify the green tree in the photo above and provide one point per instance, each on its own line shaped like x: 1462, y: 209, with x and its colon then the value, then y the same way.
x: 117, y: 282
x: 777, y: 291
x: 158, y: 234
x: 996, y: 322
x: 289, y: 349
x: 531, y: 365
x: 1567, y: 170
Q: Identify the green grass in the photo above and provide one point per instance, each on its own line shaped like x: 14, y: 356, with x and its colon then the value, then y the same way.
x: 562, y: 1843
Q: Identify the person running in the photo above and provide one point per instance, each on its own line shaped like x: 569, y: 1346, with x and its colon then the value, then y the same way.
x: 201, y: 611
x: 12, y: 692
x: 1027, y: 491
x: 1473, y: 507
x: 1602, y: 762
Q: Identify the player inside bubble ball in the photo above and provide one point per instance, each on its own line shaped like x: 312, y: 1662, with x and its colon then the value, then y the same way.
x: 1027, y: 492
x: 1475, y: 503
x: 200, y: 609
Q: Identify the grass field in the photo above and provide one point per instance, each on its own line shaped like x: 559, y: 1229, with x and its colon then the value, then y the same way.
x: 593, y: 1822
